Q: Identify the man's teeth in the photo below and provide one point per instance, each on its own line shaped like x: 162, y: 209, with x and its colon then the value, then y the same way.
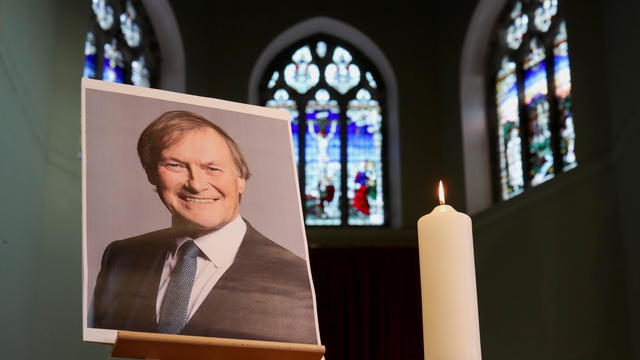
x: 200, y: 200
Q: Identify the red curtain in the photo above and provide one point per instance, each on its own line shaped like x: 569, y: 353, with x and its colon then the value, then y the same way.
x: 369, y: 303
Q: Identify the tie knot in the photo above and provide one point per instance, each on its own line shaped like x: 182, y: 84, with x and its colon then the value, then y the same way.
x: 189, y: 249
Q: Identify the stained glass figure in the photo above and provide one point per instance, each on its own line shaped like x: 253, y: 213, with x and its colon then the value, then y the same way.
x: 139, y: 72
x: 537, y: 105
x: 321, y: 49
x: 302, y: 75
x: 281, y: 101
x: 544, y: 14
x: 130, y: 29
x: 342, y: 74
x: 104, y: 13
x: 563, y: 95
x: 90, y: 60
x: 113, y: 68
x: 323, y: 160
x: 364, y: 161
x: 274, y: 80
x: 371, y: 80
x: 509, y: 143
x: 518, y: 27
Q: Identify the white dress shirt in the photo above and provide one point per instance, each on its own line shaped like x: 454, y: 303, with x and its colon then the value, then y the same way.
x: 219, y: 249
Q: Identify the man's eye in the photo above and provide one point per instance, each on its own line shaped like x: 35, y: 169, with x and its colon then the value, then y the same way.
x: 174, y: 166
x: 212, y: 169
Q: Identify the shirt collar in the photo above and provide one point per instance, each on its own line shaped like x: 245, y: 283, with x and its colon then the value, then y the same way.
x: 221, y: 245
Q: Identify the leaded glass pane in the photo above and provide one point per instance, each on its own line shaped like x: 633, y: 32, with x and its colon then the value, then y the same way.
x: 544, y: 14
x: 121, y: 45
x: 281, y: 101
x: 104, y: 13
x: 139, y: 72
x: 273, y: 80
x: 534, y: 139
x: 338, y: 141
x: 90, y: 60
x: 129, y: 27
x: 509, y: 138
x: 518, y: 27
x: 537, y: 106
x: 371, y: 80
x: 113, y: 68
x: 321, y: 49
x: 323, y: 161
x: 364, y: 161
x: 302, y: 75
x: 563, y: 94
x: 342, y: 74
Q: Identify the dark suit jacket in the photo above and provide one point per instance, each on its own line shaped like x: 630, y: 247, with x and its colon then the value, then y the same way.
x: 264, y: 295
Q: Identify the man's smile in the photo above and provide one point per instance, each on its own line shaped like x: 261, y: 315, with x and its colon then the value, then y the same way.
x: 198, y: 200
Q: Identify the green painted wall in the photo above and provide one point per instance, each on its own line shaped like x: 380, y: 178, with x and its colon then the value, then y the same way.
x: 41, y: 45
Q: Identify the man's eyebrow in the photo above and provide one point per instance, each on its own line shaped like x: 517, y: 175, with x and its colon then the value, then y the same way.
x: 209, y: 163
x: 170, y: 159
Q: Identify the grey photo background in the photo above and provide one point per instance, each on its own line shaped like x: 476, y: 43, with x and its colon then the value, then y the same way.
x: 120, y: 202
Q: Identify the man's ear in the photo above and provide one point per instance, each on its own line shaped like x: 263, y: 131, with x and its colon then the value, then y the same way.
x: 241, y: 183
x: 152, y: 177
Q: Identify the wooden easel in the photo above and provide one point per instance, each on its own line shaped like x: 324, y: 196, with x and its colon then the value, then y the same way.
x: 140, y: 345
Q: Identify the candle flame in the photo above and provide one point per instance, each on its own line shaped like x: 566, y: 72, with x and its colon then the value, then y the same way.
x: 441, y: 193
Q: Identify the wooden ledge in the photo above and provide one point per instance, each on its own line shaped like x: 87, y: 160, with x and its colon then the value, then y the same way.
x: 141, y: 345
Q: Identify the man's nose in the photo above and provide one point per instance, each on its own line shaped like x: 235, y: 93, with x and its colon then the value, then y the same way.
x: 197, y: 181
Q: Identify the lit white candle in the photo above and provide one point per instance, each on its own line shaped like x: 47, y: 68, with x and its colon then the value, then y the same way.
x: 447, y: 272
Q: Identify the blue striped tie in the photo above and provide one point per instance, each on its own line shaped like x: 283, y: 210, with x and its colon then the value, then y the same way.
x: 173, y: 312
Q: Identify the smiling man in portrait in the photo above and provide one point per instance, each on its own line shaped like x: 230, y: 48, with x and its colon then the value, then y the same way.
x: 210, y: 273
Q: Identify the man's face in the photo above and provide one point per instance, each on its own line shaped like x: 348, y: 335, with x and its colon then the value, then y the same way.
x: 198, y: 182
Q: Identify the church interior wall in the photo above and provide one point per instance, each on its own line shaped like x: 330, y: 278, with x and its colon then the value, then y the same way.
x: 555, y: 266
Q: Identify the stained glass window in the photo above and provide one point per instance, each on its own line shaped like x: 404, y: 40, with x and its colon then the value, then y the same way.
x: 534, y: 136
x: 339, y: 140
x: 120, y: 45
x: 537, y: 109
x: 562, y: 81
x: 509, y: 143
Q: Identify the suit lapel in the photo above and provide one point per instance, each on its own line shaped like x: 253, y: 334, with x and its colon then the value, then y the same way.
x: 224, y: 294
x: 143, y: 311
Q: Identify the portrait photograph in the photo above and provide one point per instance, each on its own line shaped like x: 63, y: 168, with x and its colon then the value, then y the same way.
x: 192, y: 220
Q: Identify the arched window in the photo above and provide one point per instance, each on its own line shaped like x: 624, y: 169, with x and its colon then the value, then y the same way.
x: 336, y: 99
x: 531, y: 120
x: 121, y: 45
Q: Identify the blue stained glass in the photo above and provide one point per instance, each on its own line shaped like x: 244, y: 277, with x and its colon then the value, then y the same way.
x: 509, y: 138
x: 281, y: 101
x: 90, y: 60
x: 113, y: 69
x: 322, y: 154
x: 338, y: 134
x: 562, y: 73
x: 364, y: 161
x: 537, y: 105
